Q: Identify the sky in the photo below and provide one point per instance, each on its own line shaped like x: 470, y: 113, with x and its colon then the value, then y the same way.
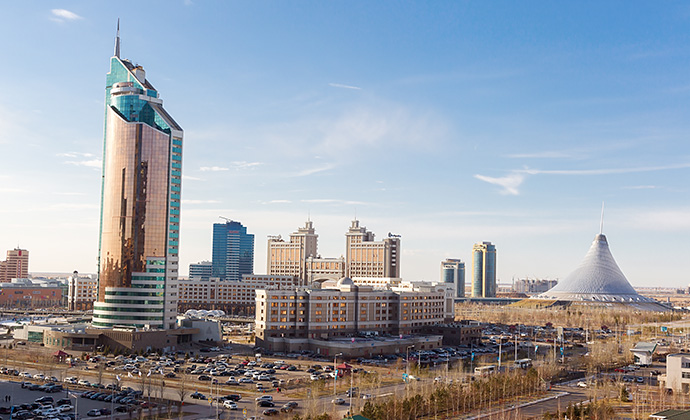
x: 446, y: 122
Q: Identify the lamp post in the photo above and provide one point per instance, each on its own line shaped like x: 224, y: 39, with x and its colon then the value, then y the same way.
x: 407, y: 362
x: 335, y: 371
x: 76, y: 405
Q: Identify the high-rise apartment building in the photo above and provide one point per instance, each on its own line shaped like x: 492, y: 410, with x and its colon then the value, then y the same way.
x: 290, y: 258
x: 16, y: 266
x: 81, y: 292
x: 365, y: 257
x: 233, y: 251
x: 484, y: 270
x: 202, y: 270
x: 140, y: 204
x: 453, y: 271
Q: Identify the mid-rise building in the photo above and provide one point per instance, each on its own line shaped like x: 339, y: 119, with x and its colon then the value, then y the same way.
x: 233, y: 251
x: 15, y: 266
x: 202, y: 270
x: 677, y: 377
x: 453, y: 272
x: 533, y: 286
x: 365, y: 257
x: 290, y: 258
x: 140, y: 204
x: 231, y: 296
x: 484, y: 270
x: 346, y: 309
x: 81, y: 292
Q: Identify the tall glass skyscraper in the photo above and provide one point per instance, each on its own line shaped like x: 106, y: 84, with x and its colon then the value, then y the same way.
x: 484, y: 270
x: 233, y: 251
x: 140, y: 204
x: 453, y: 271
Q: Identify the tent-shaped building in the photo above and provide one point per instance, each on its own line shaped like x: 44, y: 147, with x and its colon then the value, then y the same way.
x: 598, y: 279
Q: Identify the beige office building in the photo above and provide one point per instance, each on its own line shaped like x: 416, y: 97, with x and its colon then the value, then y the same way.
x: 365, y: 257
x: 289, y: 258
x: 320, y: 269
x: 16, y: 266
x: 81, y: 292
x: 294, y: 320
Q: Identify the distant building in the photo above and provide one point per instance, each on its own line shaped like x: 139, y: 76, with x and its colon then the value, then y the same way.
x: 324, y: 268
x: 234, y: 297
x: 453, y: 271
x: 233, y: 251
x: 529, y: 286
x: 16, y: 266
x: 202, y: 270
x: 484, y: 270
x: 81, y: 292
x: 290, y: 258
x: 365, y: 257
x: 27, y: 293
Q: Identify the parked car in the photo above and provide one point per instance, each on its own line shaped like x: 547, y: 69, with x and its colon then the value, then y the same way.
x: 231, y: 405
x: 198, y: 396
x: 338, y: 401
x: 266, y: 404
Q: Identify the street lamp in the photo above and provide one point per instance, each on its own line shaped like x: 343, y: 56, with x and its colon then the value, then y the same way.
x: 407, y: 362
x: 335, y: 371
x: 76, y: 405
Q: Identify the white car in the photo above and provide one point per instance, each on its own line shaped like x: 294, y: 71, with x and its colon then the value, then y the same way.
x: 314, y: 377
x: 230, y: 405
x: 39, y: 376
x: 265, y: 398
x: 70, y: 380
x: 84, y: 382
x: 65, y: 408
x: 25, y: 375
x: 582, y: 384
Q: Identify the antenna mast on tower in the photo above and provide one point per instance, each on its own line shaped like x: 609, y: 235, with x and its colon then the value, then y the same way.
x: 601, y: 224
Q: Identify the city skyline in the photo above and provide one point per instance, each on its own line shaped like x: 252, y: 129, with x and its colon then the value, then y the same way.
x: 449, y: 124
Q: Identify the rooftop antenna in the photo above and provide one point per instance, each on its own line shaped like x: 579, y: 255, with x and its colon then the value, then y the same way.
x: 117, y: 40
x: 601, y: 224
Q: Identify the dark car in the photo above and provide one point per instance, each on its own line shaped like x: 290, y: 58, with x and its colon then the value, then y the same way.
x: 105, y: 411
x: 34, y: 387
x: 63, y: 401
x: 266, y: 404
x: 204, y: 378
x: 45, y: 399
x: 233, y: 397
x: 270, y: 412
x: 5, y: 410
x: 292, y: 404
x: 124, y: 408
x: 198, y: 396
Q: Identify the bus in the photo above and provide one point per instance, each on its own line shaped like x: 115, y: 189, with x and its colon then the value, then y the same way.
x: 523, y: 363
x: 485, y: 370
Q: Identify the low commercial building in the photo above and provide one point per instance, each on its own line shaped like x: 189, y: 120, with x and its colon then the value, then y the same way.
x: 28, y: 293
x: 643, y: 353
x: 458, y: 334
x: 232, y: 297
x: 303, y: 318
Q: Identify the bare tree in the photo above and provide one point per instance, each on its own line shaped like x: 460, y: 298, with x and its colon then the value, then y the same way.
x: 182, y: 391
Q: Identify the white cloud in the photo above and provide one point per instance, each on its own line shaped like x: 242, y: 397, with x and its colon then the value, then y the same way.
x: 91, y: 163
x: 339, y: 85
x: 75, y: 155
x: 603, y: 171
x: 543, y: 155
x: 277, y: 202
x: 200, y: 201
x: 509, y: 183
x: 312, y: 171
x: 213, y: 169
x: 245, y: 165
x: 61, y: 15
x: 191, y: 178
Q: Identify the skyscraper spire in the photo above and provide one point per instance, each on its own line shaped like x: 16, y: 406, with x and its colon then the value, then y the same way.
x: 601, y: 223
x: 117, y: 40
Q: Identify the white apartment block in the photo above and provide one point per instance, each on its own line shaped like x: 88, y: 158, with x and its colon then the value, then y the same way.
x: 346, y: 310
x: 677, y: 375
x: 81, y: 292
x: 233, y: 297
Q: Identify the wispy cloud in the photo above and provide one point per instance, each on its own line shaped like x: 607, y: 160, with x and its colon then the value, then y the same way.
x: 509, y: 183
x: 90, y: 163
x: 342, y: 86
x: 641, y: 187
x: 245, y: 165
x: 191, y: 178
x: 515, y: 178
x: 332, y: 201
x: 213, y: 169
x: 62, y: 15
x: 75, y: 155
x: 553, y: 154
x: 312, y: 171
x: 277, y: 202
x: 200, y: 201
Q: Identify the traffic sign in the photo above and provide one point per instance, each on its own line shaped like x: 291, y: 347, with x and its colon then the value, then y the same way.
x: 244, y: 411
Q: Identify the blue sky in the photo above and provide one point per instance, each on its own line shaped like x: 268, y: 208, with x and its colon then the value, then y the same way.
x: 448, y: 123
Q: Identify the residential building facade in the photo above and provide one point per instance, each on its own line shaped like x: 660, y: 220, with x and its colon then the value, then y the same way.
x: 81, y: 292
x: 15, y: 266
x: 140, y: 204
x: 677, y: 377
x: 233, y: 251
x: 484, y: 270
x: 231, y: 296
